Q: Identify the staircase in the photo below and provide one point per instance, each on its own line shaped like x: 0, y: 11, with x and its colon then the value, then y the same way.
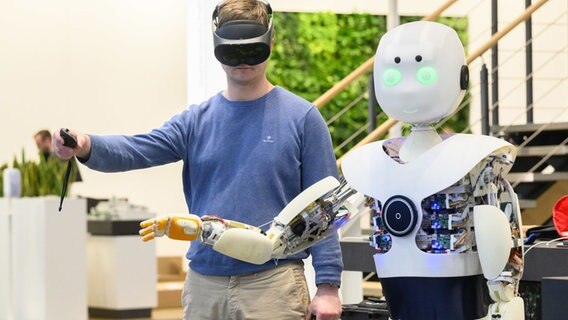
x: 542, y: 158
x: 171, y: 276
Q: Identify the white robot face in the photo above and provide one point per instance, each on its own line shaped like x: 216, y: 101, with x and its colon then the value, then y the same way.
x: 420, y: 73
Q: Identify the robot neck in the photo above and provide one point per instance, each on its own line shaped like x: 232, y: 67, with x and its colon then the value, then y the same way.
x: 421, y: 138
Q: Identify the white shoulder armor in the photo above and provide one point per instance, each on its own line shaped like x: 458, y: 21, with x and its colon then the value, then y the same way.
x: 369, y: 170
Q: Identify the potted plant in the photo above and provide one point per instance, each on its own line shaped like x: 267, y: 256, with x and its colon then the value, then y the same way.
x: 45, y: 256
x: 40, y: 178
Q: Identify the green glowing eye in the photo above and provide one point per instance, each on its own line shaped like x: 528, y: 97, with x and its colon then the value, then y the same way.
x: 426, y: 75
x: 391, y: 77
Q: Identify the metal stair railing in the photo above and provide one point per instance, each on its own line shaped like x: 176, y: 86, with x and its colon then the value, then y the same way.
x: 520, y: 83
x: 528, y: 176
x: 504, y: 62
x: 511, y: 91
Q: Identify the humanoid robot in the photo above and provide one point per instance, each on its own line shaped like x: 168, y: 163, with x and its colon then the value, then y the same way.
x: 311, y: 216
x: 444, y: 216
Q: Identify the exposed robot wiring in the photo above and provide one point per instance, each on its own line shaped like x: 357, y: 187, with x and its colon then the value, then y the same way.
x: 461, y: 239
x: 264, y: 224
x: 213, y: 218
x: 546, y: 243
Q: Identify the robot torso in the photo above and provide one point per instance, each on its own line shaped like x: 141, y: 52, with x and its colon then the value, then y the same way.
x: 423, y: 210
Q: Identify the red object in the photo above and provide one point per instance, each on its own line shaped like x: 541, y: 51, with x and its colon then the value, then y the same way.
x: 560, y: 216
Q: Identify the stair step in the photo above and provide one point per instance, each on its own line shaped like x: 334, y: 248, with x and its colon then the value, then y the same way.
x: 542, y: 151
x: 543, y: 134
x: 169, y: 294
x: 527, y: 204
x: 531, y: 127
x: 372, y: 289
x: 536, y: 177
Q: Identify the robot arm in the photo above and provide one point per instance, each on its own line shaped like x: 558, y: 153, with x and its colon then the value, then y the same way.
x: 310, y: 217
x: 496, y: 248
x: 499, y: 244
x: 223, y: 235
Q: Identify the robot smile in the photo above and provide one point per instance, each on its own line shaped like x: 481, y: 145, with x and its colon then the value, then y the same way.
x: 412, y: 111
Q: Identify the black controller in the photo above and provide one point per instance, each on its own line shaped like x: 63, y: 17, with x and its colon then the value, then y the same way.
x: 68, y: 140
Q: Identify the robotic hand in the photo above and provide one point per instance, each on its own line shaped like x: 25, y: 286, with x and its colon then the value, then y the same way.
x: 310, y: 217
x: 178, y: 227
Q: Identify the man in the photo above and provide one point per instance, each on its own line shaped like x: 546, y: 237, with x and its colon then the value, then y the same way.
x: 43, y: 142
x: 247, y: 152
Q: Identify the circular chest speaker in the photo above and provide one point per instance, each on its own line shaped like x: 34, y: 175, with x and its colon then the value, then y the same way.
x: 400, y: 216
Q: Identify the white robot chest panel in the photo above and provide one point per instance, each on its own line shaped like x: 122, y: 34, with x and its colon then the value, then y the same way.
x: 424, y: 207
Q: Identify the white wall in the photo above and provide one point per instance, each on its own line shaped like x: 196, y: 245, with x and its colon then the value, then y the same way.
x: 102, y: 67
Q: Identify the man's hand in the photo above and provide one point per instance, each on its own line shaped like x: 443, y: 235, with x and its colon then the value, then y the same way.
x: 82, y: 150
x: 326, y: 304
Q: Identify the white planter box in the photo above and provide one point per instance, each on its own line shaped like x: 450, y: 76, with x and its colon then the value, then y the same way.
x: 122, y: 273
x: 5, y: 275
x: 48, y: 260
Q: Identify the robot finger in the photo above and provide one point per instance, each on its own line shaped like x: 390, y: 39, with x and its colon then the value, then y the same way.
x: 146, y: 231
x: 148, y: 237
x: 147, y: 223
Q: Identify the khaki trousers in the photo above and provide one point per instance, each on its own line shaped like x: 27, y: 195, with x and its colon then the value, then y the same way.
x: 277, y: 293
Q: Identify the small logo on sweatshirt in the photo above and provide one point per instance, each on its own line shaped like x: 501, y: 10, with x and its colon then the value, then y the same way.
x: 268, y: 139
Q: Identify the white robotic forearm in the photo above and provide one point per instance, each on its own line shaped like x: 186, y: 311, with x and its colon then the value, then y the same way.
x: 307, y: 219
x: 313, y: 215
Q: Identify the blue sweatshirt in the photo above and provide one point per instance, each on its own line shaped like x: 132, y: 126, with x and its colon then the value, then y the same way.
x: 243, y: 160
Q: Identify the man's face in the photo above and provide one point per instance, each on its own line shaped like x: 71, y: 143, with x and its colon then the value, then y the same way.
x: 43, y: 144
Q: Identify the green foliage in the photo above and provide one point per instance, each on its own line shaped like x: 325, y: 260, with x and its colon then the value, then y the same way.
x: 314, y: 51
x: 2, y: 167
x: 40, y: 178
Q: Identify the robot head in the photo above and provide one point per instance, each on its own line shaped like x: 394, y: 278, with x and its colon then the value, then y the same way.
x: 420, y: 74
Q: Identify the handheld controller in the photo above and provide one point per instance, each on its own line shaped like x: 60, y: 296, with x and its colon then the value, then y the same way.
x: 68, y: 141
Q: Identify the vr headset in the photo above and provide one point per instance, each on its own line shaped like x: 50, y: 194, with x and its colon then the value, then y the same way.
x: 242, y: 41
